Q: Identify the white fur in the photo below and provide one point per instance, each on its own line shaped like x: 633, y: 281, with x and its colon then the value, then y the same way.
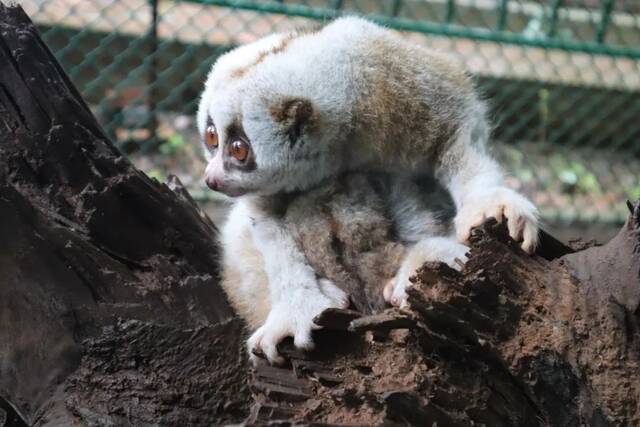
x: 362, y: 81
x: 330, y: 68
x: 295, y: 296
x: 476, y: 184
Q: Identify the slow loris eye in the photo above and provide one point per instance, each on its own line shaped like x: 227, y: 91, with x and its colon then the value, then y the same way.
x: 239, y: 150
x: 211, y: 137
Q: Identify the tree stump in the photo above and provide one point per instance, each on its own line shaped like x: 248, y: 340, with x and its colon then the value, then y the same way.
x: 112, y: 314
x: 108, y: 279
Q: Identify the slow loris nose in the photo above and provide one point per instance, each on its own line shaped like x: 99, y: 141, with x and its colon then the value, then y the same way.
x: 213, y: 183
x: 214, y: 173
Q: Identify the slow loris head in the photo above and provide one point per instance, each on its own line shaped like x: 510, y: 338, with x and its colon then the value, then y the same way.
x: 262, y: 130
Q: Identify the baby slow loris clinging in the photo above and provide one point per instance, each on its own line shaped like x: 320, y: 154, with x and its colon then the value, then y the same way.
x: 359, y: 233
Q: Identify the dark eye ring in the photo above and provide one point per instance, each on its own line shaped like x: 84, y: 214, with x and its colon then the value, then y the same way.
x: 239, y: 150
x: 211, y: 137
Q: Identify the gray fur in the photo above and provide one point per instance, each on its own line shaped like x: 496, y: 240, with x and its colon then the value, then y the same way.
x: 352, y: 98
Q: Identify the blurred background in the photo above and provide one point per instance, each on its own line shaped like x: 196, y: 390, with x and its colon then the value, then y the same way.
x: 562, y: 78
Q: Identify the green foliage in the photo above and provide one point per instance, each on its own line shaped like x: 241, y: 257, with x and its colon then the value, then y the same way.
x: 174, y: 144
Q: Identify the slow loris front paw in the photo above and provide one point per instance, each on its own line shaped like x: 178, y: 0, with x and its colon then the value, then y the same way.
x: 499, y: 203
x: 439, y: 249
x: 293, y: 316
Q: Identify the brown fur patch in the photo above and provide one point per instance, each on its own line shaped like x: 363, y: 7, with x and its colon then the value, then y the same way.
x: 357, y: 252
x: 299, y: 32
x: 284, y: 43
x: 414, y: 120
x: 291, y: 110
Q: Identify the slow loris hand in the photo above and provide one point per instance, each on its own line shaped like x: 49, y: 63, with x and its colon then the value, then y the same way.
x: 499, y: 203
x: 292, y: 316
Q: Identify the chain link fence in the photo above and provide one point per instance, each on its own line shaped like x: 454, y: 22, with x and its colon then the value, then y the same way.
x: 562, y: 78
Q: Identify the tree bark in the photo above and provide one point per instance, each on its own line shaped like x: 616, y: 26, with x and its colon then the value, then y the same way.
x: 110, y: 307
x: 111, y: 312
x: 511, y: 340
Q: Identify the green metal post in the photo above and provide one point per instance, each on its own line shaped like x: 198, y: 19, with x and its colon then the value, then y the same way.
x: 395, y: 7
x: 450, y: 12
x: 553, y: 19
x: 502, y: 15
x: 153, y: 71
x: 607, y: 7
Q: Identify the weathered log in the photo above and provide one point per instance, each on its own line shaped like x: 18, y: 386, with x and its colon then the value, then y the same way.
x: 111, y: 313
x: 511, y: 340
x: 104, y: 273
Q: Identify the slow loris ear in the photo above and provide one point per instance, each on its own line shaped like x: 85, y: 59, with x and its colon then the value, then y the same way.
x: 294, y: 115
